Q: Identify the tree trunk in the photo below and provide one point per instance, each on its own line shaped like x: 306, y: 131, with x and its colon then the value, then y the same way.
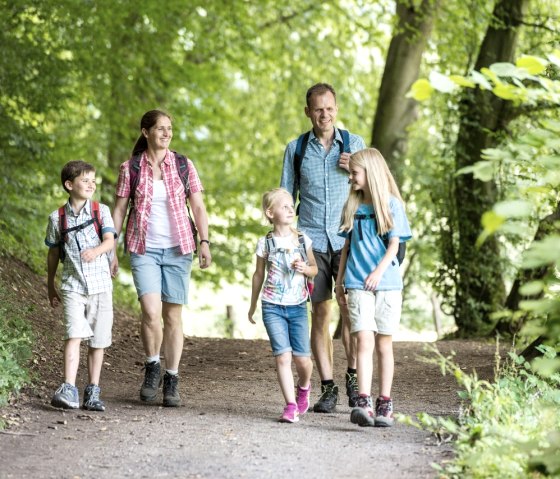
x: 480, y: 288
x: 508, y: 326
x: 394, y: 111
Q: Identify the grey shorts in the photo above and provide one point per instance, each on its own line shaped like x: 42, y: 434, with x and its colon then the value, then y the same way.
x: 328, y: 264
x: 88, y: 317
x: 378, y: 311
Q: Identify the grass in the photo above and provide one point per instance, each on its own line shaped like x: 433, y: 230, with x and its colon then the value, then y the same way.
x: 508, y: 428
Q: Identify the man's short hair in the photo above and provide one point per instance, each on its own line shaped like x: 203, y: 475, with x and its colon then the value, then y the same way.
x: 319, y: 89
x: 73, y: 169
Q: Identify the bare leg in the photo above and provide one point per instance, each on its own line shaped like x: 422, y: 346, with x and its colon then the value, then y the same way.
x: 71, y: 359
x: 285, y: 376
x: 385, y: 363
x: 304, y: 368
x: 321, y: 341
x: 172, y: 334
x: 348, y: 341
x: 95, y: 362
x: 151, y: 329
x: 365, y: 347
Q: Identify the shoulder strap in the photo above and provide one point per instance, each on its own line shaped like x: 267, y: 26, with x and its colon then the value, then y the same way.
x: 134, y: 172
x: 303, y: 251
x: 182, y: 163
x: 62, y: 223
x: 301, y: 146
x: 345, y: 147
x: 97, y: 222
x: 269, y: 244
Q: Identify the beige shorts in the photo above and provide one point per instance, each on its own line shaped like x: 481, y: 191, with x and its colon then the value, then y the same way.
x: 378, y: 311
x: 89, y: 317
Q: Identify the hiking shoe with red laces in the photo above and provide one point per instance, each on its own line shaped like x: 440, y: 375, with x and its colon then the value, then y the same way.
x: 362, y: 414
x: 384, y: 412
x: 290, y: 413
x: 302, y: 399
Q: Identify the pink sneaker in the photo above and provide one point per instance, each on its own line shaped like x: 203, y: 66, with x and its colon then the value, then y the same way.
x: 302, y: 399
x: 290, y: 413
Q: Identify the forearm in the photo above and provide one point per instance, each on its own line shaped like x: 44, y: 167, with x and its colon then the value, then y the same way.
x: 52, y: 265
x: 256, y: 286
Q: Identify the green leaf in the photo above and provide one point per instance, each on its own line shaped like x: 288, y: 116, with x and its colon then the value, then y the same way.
x: 491, y: 221
x: 546, y: 251
x: 421, y: 90
x: 481, y: 170
x: 534, y: 65
x: 532, y: 288
x: 442, y: 83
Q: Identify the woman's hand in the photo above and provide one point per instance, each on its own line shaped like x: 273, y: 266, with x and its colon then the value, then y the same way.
x: 114, y: 266
x: 204, y: 256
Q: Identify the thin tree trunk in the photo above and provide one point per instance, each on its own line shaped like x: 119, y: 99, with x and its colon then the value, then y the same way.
x: 394, y: 111
x: 480, y: 288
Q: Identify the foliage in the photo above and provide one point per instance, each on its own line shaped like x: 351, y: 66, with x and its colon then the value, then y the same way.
x: 15, y: 346
x: 509, y: 428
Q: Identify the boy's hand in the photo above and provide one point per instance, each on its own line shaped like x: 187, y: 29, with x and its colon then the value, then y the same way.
x: 54, y: 298
x: 89, y: 255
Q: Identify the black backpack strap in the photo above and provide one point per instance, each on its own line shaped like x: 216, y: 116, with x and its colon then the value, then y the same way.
x: 134, y: 173
x: 182, y: 163
x: 303, y: 251
x: 269, y: 244
x: 301, y: 147
x: 345, y: 145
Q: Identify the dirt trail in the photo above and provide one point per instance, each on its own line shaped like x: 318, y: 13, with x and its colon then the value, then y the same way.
x: 227, y: 425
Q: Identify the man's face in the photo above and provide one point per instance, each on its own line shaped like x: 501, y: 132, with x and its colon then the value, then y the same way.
x: 322, y: 112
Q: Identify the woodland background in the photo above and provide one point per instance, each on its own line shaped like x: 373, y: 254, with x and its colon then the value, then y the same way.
x: 76, y: 76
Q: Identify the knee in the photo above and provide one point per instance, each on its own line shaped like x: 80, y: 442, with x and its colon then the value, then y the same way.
x: 284, y: 360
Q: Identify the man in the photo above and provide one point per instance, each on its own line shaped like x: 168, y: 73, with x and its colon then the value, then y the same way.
x: 322, y: 183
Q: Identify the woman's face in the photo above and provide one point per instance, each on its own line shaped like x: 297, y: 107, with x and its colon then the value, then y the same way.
x: 159, y: 136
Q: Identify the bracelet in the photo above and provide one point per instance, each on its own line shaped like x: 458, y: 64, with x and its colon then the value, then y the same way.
x: 338, y: 286
x: 205, y: 241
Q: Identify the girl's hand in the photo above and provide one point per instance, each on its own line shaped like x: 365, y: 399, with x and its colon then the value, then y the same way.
x: 340, y: 294
x: 250, y: 315
x: 300, y: 266
x: 372, y: 280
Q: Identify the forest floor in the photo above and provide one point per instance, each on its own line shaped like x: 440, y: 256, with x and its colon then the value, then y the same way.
x: 227, y: 426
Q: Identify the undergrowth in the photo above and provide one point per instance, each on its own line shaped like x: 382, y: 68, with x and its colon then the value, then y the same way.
x: 508, y: 428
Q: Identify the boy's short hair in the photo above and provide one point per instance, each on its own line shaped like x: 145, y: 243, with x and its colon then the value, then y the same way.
x: 73, y: 169
x: 319, y: 89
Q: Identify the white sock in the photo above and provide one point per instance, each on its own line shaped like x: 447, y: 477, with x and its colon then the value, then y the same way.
x: 173, y: 372
x: 152, y: 359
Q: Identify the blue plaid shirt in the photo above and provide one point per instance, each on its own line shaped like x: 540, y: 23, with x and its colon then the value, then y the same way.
x: 323, y: 189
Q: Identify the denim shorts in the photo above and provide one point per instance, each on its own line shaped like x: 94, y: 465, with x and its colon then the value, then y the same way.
x: 378, y: 311
x: 287, y: 328
x: 163, y: 271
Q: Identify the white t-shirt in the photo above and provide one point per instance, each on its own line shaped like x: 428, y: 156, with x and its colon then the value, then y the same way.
x: 162, y: 232
x: 283, y: 285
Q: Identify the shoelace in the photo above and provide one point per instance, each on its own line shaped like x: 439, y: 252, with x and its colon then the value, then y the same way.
x: 384, y: 408
x: 152, y: 377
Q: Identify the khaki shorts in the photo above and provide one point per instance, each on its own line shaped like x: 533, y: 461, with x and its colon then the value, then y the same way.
x: 378, y: 311
x: 89, y: 317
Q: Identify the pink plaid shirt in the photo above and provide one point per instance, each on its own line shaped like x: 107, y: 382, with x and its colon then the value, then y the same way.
x: 137, y: 225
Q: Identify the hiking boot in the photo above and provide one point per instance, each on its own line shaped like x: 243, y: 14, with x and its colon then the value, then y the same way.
x: 91, y: 398
x: 302, y: 399
x: 384, y: 412
x: 362, y: 414
x: 329, y: 398
x: 290, y: 413
x: 152, y: 381
x: 352, y: 389
x: 171, y: 396
x: 66, y: 397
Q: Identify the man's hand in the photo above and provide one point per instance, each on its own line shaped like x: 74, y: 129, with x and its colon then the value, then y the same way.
x: 344, y: 161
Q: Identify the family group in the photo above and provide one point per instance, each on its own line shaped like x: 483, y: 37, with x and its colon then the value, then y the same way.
x: 351, y: 228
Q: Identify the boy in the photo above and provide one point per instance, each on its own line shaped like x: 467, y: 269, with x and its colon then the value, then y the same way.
x: 86, y: 286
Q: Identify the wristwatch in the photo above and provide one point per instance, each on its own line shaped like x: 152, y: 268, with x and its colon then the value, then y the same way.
x: 205, y: 241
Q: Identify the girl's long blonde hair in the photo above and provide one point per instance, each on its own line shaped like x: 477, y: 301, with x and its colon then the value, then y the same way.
x: 381, y: 186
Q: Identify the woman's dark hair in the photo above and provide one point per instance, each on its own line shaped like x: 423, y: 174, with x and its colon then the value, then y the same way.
x: 148, y: 120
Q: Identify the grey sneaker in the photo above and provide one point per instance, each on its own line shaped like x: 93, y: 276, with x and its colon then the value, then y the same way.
x: 362, y: 414
x: 91, y: 398
x: 352, y: 389
x: 152, y: 381
x: 384, y: 412
x: 171, y: 396
x: 66, y: 397
x: 328, y: 399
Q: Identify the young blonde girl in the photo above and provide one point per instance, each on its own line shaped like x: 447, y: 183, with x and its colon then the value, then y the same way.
x: 281, y: 256
x: 373, y: 222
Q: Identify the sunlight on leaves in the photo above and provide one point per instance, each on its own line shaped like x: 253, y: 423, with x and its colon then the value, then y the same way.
x: 421, y: 90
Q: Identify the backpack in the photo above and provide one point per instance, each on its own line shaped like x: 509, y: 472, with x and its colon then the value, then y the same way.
x: 270, y: 245
x: 182, y: 167
x: 299, y: 154
x: 64, y: 230
x: 385, y: 238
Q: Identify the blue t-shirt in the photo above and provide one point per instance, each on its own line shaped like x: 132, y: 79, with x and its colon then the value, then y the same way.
x: 367, y: 248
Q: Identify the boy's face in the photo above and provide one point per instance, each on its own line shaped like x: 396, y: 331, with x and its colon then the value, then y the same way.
x: 83, y: 187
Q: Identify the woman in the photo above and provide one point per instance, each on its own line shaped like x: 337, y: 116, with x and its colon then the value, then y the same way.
x: 161, y: 242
